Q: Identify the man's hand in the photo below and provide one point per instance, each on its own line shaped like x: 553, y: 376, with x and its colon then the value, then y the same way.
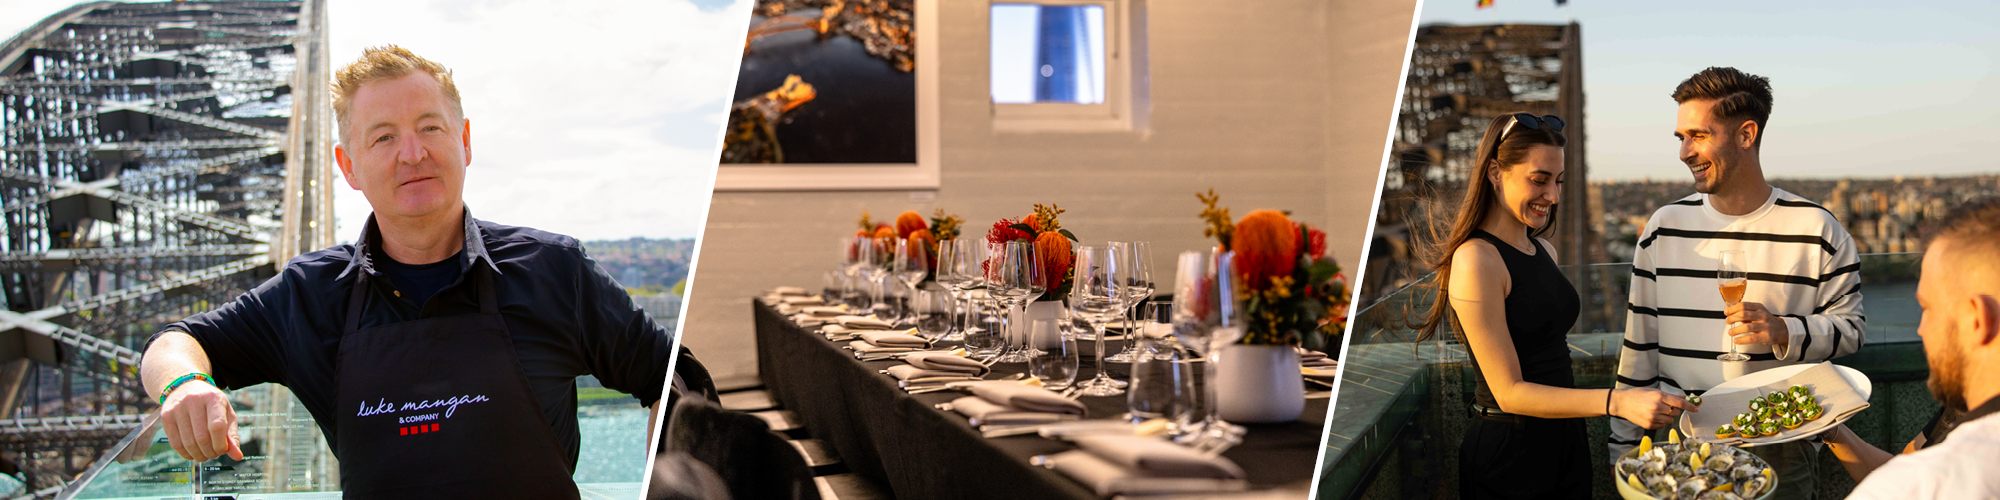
x: 1754, y: 324
x: 199, y: 423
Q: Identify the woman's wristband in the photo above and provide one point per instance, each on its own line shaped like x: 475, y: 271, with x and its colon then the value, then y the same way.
x: 1607, y: 401
x: 177, y: 383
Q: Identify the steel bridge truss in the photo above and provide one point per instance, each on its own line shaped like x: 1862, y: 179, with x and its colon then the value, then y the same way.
x: 156, y: 160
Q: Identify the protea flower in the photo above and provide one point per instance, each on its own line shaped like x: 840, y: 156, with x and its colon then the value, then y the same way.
x: 1266, y: 247
x: 1002, y: 233
x: 1053, y: 251
x: 909, y: 222
x: 1315, y: 243
x: 922, y: 241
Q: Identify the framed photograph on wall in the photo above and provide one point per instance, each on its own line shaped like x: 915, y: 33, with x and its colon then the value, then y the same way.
x: 834, y: 94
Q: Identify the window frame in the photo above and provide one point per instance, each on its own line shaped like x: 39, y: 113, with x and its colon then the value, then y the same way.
x: 1115, y: 113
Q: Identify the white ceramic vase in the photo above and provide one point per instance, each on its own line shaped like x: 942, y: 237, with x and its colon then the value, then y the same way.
x: 1042, y: 320
x: 1259, y: 384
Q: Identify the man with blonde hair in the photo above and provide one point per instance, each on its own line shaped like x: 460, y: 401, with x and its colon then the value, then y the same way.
x: 1959, y: 291
x: 438, y: 353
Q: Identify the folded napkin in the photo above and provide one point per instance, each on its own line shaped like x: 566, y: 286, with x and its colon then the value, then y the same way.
x: 1313, y: 359
x: 894, y: 339
x: 835, y: 329
x: 788, y: 290
x: 1025, y: 397
x: 944, y: 362
x: 863, y: 322
x: 803, y: 300
x: 1108, y: 479
x: 828, y: 311
x: 1155, y: 457
x: 983, y: 412
x: 909, y: 372
x: 867, y: 348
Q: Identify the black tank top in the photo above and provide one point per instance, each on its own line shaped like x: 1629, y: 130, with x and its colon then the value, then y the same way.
x: 1541, y: 307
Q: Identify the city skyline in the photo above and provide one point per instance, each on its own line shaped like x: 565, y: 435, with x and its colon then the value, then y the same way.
x: 1862, y: 89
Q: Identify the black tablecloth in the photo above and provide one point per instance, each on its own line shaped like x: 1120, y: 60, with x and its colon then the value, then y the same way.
x: 903, y: 441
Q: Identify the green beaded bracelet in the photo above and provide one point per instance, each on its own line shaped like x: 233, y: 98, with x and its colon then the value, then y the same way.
x: 176, y: 384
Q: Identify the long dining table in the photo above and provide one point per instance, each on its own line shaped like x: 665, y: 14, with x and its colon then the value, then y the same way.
x: 904, y: 442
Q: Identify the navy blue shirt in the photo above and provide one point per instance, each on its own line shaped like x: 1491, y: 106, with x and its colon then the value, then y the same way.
x: 568, y: 318
x: 418, y: 282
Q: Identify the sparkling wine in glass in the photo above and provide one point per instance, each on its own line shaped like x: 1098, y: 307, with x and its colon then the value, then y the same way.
x: 1732, y: 281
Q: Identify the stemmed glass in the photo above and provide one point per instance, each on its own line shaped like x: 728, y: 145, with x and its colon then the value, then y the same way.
x: 912, y: 263
x: 1097, y: 297
x: 1014, y: 276
x: 958, y: 270
x: 869, y: 255
x: 1198, y: 311
x: 1732, y: 281
x: 1137, y: 278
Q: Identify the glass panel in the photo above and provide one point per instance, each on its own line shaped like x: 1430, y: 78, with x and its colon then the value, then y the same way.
x: 1047, y: 53
x: 286, y: 457
x: 1888, y: 290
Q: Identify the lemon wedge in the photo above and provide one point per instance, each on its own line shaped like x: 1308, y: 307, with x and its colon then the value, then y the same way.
x: 1645, y: 444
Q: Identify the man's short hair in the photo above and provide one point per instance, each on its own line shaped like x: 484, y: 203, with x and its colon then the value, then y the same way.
x: 1737, y: 95
x: 387, y: 62
x: 1974, y: 231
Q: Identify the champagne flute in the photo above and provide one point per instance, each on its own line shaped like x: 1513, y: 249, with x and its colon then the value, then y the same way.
x: 1732, y: 281
x: 1096, y: 297
x: 1137, y: 278
x: 912, y: 263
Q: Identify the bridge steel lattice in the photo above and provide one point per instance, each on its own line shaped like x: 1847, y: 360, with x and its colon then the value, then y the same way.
x: 156, y: 160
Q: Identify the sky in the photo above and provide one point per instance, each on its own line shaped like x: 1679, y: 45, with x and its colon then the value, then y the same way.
x: 599, y: 119
x: 1861, y: 89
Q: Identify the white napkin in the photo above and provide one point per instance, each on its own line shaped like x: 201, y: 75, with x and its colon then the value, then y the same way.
x: 1025, y: 397
x: 983, y: 412
x: 863, y: 322
x: 826, y: 311
x: 1313, y: 359
x: 1154, y: 457
x: 943, y: 362
x: 909, y: 372
x: 1108, y: 479
x: 894, y: 339
x: 803, y: 300
x: 865, y: 347
x: 788, y: 290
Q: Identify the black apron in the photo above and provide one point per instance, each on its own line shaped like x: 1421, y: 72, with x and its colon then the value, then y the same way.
x: 439, y: 408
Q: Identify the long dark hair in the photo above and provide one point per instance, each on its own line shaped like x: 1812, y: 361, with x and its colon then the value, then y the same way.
x: 1479, y: 199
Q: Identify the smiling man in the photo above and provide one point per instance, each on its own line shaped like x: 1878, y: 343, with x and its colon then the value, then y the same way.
x: 439, y: 353
x: 1803, y: 302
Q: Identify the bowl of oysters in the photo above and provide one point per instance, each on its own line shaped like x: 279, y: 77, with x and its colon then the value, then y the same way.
x: 1692, y: 470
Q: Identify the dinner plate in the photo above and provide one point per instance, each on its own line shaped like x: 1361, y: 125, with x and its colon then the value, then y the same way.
x: 1752, y: 381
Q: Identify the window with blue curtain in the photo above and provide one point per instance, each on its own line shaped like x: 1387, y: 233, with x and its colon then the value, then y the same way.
x: 1047, y: 54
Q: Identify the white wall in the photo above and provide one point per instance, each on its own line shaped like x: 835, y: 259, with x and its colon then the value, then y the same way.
x: 1275, y: 104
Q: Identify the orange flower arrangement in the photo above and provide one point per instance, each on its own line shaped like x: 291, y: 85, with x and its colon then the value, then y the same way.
x: 1267, y: 249
x: 909, y: 222
x: 1052, y: 246
x: 1288, y: 290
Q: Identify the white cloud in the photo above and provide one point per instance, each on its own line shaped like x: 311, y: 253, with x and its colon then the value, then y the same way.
x: 567, y: 102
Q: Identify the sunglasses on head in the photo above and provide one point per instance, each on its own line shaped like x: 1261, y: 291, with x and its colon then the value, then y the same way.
x: 1531, y: 122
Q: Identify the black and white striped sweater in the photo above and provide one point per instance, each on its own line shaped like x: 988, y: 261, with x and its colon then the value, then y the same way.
x: 1803, y: 266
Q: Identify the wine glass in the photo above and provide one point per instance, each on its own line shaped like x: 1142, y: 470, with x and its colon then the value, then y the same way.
x: 1014, y: 275
x: 868, y: 259
x: 911, y: 264
x: 1732, y: 281
x: 1197, y: 313
x: 1137, y: 278
x: 1096, y: 297
x: 959, y: 270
